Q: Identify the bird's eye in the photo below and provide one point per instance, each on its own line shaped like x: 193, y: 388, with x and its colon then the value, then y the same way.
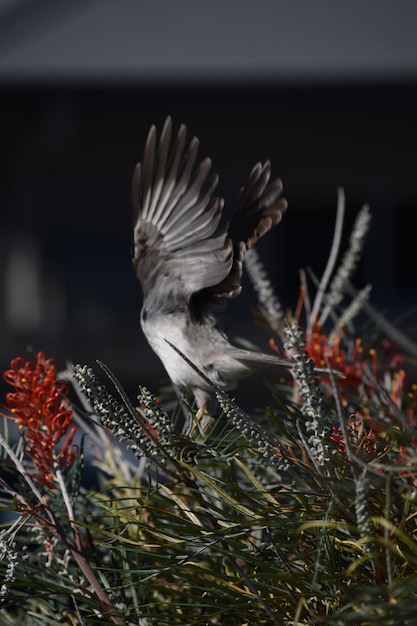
x: 144, y: 314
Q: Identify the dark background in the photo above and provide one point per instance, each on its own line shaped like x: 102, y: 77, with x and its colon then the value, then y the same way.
x: 76, y: 105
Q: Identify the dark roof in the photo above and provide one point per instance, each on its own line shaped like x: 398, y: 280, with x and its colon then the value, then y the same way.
x: 234, y: 40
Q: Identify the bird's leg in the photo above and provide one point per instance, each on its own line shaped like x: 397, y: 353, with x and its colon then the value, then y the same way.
x: 202, y: 420
x: 199, y: 421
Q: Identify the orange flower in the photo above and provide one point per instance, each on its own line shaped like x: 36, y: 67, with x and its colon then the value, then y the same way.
x: 40, y: 408
x: 406, y: 401
x: 391, y: 354
x: 412, y: 406
x: 360, y: 437
x: 353, y: 365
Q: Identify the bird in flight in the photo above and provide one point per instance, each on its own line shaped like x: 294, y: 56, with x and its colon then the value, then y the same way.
x: 188, y: 262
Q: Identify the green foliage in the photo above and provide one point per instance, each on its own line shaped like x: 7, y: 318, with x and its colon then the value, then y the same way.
x: 304, y: 514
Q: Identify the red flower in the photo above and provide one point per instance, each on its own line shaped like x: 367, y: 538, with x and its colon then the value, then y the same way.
x: 361, y: 438
x: 41, y: 410
x: 353, y: 365
x: 391, y: 354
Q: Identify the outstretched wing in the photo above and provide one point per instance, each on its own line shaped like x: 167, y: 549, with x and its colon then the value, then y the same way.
x: 259, y: 207
x: 179, y: 248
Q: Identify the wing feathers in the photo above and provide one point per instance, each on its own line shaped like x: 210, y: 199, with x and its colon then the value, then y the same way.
x: 192, y: 199
x: 176, y: 220
x: 259, y: 206
x: 176, y: 217
x: 147, y: 171
x: 177, y: 177
x: 160, y: 167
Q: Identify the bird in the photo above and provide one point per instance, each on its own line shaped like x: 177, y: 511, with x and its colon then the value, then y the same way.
x: 189, y: 262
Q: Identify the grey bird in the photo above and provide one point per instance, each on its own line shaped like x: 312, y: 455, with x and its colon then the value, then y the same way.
x: 188, y: 262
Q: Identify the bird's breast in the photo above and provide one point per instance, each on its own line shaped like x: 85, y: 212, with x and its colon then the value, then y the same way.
x: 177, y: 329
x: 205, y: 346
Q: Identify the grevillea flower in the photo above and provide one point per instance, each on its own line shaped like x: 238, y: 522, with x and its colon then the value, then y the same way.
x: 406, y: 401
x: 357, y: 433
x: 361, y: 437
x: 354, y: 365
x: 40, y: 408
